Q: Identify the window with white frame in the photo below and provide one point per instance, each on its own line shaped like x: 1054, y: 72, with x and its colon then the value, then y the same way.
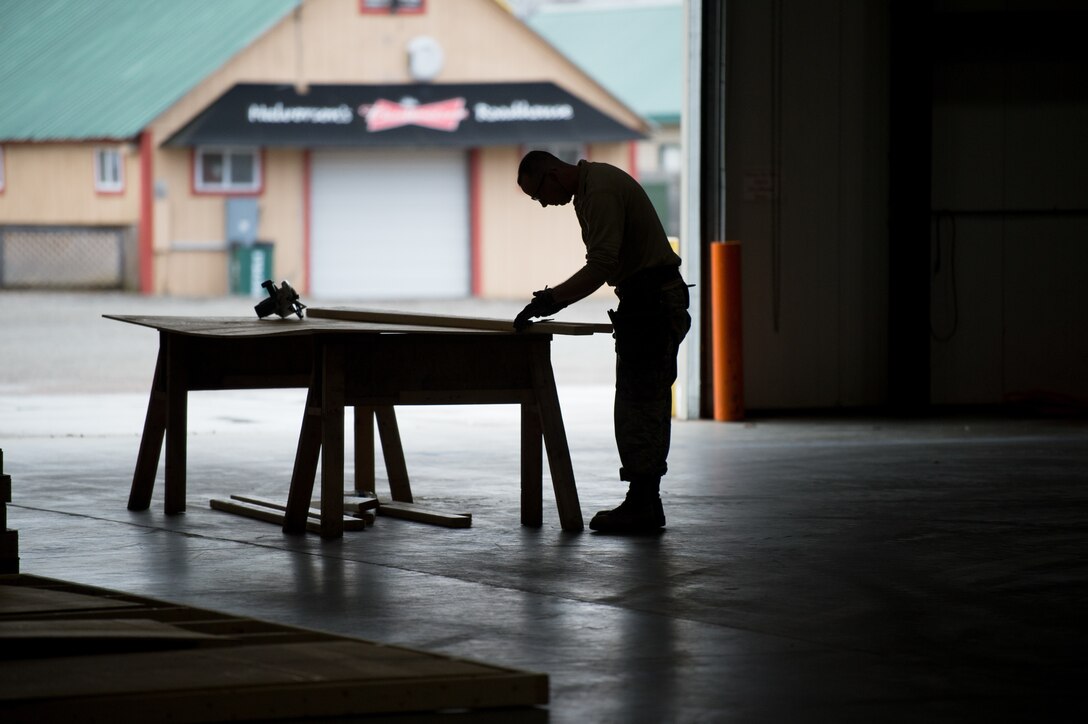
x: 234, y: 169
x: 671, y: 158
x: 109, y: 174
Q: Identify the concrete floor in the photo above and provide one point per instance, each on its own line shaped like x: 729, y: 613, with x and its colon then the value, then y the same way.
x: 814, y: 569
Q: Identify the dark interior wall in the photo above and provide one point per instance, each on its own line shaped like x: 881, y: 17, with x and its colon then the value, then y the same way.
x: 806, y: 195
x: 1009, y: 243
x: 908, y: 182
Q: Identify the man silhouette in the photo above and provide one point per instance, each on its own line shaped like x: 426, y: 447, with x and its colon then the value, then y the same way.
x: 626, y: 248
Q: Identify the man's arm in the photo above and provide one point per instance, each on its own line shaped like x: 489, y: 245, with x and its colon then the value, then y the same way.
x: 602, y: 221
x: 549, y: 301
x: 581, y: 284
x: 601, y: 218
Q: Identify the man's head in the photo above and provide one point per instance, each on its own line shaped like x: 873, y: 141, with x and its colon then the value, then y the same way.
x: 545, y: 179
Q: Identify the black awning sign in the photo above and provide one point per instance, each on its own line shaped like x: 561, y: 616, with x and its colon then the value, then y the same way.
x: 261, y: 113
x: 364, y: 115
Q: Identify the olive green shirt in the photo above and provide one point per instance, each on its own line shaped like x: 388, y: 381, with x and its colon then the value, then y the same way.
x: 620, y: 229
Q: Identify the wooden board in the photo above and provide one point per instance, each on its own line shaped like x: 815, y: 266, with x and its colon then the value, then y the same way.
x: 252, y: 327
x: 53, y: 637
x: 356, y: 503
x: 17, y: 600
x: 261, y: 511
x: 423, y: 514
x: 353, y: 504
x: 113, y: 628
x: 300, y: 675
x: 443, y: 320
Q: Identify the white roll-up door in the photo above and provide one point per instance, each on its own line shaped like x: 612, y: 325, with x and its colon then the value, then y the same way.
x: 389, y: 224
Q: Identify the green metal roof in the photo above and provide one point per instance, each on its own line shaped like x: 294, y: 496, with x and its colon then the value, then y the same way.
x: 88, y: 69
x: 634, y: 51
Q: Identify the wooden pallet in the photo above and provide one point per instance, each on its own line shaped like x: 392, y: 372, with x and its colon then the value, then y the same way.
x: 79, y: 653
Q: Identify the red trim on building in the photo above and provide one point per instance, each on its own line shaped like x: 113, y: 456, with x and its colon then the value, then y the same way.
x: 475, y: 194
x: 3, y: 171
x: 632, y: 159
x: 307, y: 211
x: 146, y: 226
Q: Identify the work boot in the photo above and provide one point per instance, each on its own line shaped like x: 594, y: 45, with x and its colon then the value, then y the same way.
x: 636, y: 514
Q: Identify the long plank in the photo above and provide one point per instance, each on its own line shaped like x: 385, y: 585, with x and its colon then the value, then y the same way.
x: 28, y: 601
x: 231, y: 327
x: 353, y: 503
x: 360, y: 508
x: 421, y: 514
x: 352, y: 314
x: 272, y: 515
x: 110, y: 628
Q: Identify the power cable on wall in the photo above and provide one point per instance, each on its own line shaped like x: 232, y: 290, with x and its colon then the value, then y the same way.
x: 945, y: 246
x: 938, y: 256
x: 776, y: 164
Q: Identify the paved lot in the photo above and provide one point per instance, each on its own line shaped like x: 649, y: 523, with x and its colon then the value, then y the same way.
x: 59, y: 343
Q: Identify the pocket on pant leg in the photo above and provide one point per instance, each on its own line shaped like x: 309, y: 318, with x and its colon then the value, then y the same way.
x: 645, y: 355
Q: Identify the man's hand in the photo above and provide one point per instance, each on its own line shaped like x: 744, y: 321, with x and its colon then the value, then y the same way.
x: 543, y: 305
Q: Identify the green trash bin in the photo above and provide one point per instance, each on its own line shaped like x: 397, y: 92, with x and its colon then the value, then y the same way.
x: 250, y: 266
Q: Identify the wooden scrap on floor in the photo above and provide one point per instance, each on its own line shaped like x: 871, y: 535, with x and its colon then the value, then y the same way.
x: 422, y: 514
x: 359, y: 512
x: 272, y: 511
x: 365, y: 507
x: 355, y: 503
x: 362, y: 507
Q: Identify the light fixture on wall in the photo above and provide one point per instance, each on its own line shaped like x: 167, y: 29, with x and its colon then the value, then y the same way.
x: 425, y: 58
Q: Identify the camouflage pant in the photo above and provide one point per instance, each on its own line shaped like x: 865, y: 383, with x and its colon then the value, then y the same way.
x: 648, y: 327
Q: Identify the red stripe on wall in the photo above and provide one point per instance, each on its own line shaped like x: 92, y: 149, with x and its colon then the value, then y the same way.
x: 475, y: 192
x: 147, y: 206
x: 307, y: 177
x: 632, y: 159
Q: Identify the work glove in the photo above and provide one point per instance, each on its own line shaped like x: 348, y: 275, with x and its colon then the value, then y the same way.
x: 543, y: 305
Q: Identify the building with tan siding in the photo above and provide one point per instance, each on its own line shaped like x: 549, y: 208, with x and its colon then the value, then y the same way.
x: 368, y: 151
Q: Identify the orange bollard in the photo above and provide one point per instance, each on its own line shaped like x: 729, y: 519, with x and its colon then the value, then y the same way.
x: 726, y: 338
